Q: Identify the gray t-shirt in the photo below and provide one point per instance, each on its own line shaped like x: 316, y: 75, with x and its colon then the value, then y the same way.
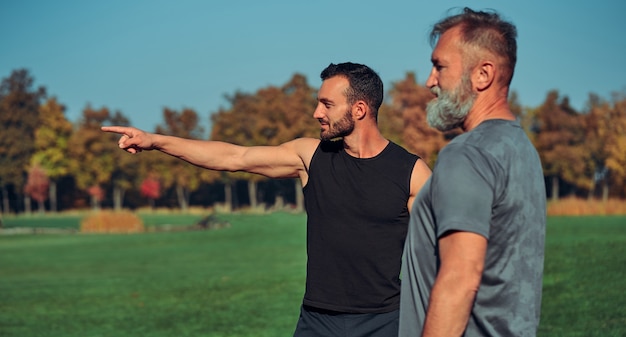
x: 487, y: 181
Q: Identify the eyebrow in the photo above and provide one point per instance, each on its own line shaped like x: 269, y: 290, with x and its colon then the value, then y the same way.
x: 325, y: 100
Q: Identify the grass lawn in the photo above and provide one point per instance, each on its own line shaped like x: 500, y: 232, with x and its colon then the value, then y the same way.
x: 584, y: 285
x: 248, y: 279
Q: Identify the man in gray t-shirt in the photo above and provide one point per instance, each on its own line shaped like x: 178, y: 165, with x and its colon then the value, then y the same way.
x: 473, y: 259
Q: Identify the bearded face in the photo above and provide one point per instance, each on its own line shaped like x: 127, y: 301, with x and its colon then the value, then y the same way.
x: 451, y: 107
x: 339, y: 128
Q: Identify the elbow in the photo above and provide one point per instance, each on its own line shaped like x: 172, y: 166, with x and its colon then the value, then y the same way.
x: 472, y: 278
x: 464, y: 282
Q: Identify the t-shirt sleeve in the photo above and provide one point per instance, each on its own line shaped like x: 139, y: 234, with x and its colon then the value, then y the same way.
x: 464, y: 184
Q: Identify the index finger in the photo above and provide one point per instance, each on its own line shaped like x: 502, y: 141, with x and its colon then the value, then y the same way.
x: 116, y: 129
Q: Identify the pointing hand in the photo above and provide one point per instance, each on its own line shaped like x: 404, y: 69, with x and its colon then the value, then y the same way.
x: 132, y: 140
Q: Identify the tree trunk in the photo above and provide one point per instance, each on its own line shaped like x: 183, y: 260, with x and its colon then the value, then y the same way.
x: 95, y: 203
x: 228, y: 196
x: 592, y: 189
x: 53, y: 196
x: 555, y: 188
x: 5, y: 200
x: 27, y: 204
x: 605, y: 191
x: 118, y: 198
x: 299, y: 195
x: 279, y: 203
x: 252, y: 194
x: 183, y: 198
x: 235, y: 200
x: 41, y: 207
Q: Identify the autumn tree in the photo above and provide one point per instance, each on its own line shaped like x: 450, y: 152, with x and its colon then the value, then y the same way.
x: 125, y: 170
x: 560, y: 136
x: 19, y: 110
x: 299, y: 106
x: 271, y: 116
x: 151, y: 189
x: 605, y: 123
x: 51, y: 144
x: 407, y: 112
x: 37, y: 186
x: 615, y: 146
x: 524, y: 115
x: 598, y: 132
x: 183, y: 177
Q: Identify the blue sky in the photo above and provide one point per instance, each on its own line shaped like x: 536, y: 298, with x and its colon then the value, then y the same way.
x: 141, y: 56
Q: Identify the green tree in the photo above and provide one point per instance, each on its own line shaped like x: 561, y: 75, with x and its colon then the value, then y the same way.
x: 51, y: 144
x: 93, y: 154
x: 19, y: 110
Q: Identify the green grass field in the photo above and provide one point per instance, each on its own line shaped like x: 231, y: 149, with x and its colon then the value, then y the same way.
x: 248, y: 279
x: 584, y: 291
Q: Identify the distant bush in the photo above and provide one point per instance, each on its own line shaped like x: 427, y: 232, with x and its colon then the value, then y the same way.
x: 111, y: 222
x: 577, y: 206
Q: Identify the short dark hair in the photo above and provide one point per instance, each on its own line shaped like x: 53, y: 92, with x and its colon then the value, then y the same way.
x: 485, y: 30
x: 365, y: 84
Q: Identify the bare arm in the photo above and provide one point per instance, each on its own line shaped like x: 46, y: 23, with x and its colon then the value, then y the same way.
x: 462, y: 257
x: 288, y: 160
x: 421, y: 173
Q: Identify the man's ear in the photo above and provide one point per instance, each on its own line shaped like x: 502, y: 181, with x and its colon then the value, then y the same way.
x: 360, y: 109
x: 484, y: 75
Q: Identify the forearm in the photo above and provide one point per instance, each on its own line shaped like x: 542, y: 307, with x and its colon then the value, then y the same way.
x: 449, y: 309
x: 212, y: 155
x: 462, y: 256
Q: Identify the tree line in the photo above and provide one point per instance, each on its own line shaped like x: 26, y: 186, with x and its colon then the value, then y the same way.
x: 50, y: 163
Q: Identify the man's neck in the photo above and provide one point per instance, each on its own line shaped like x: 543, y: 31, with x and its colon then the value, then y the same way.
x: 486, y: 109
x: 365, y: 144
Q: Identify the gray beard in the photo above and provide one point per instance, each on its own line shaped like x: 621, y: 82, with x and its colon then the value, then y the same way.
x: 450, y: 109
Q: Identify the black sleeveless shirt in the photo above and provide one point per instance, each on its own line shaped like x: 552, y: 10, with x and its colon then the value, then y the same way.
x: 357, y: 220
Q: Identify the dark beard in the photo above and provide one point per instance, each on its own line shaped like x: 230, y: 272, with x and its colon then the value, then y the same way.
x: 341, y: 128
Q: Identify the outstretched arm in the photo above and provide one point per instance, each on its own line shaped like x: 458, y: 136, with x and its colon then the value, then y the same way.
x: 288, y: 160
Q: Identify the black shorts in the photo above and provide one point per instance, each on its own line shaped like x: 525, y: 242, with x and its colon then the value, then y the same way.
x: 321, y: 323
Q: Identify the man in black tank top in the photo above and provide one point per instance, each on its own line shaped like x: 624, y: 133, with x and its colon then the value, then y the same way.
x: 358, y: 188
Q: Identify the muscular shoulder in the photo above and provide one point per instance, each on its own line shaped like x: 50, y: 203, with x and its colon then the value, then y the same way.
x: 420, y: 174
x: 304, y: 147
